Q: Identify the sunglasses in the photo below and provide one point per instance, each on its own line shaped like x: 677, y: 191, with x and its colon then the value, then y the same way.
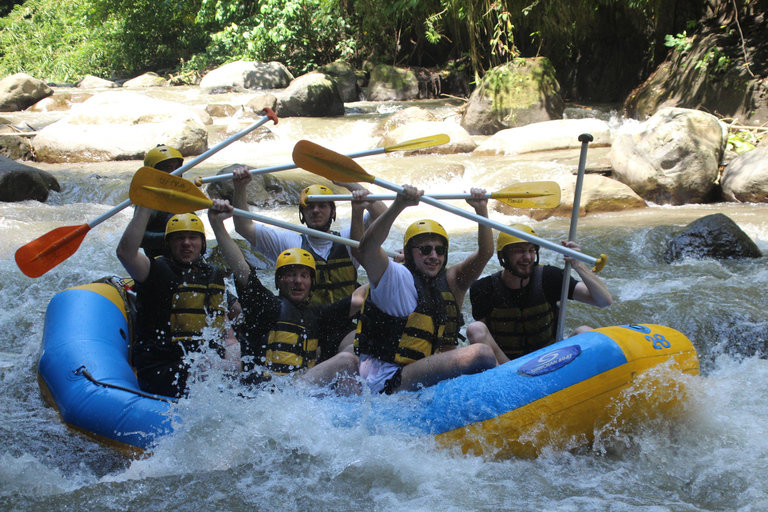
x: 426, y: 250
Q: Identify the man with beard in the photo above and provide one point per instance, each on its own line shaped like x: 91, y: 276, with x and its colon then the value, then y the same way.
x: 407, y: 335
x: 516, y: 308
x: 180, y: 304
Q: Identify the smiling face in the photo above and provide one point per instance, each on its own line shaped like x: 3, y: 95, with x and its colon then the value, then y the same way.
x: 318, y: 215
x: 520, y: 259
x: 295, y: 282
x: 428, y: 264
x: 185, y: 246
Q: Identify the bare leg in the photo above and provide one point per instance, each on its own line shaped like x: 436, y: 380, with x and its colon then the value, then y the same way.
x: 347, y: 344
x: 446, y: 365
x: 341, y: 369
x: 581, y: 330
x: 477, y: 332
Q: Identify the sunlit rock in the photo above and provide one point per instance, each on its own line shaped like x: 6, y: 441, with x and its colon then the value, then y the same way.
x: 545, y: 136
x: 310, y: 95
x: 672, y: 158
x: 20, y: 91
x: 460, y: 140
x: 745, y: 178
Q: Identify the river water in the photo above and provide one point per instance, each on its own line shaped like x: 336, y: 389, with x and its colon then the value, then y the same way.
x: 282, y: 451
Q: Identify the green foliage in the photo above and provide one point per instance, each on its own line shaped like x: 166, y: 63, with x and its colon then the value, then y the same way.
x: 680, y: 42
x: 52, y: 41
x: 741, y: 141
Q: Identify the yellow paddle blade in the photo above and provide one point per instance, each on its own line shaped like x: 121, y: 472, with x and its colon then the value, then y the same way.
x: 328, y: 164
x: 161, y: 191
x: 538, y: 194
x: 424, y: 142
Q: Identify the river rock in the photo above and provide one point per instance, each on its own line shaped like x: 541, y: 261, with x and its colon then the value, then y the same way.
x: 460, y: 140
x: 745, y: 178
x: 20, y: 91
x: 149, y: 79
x: 404, y: 117
x: 240, y: 76
x: 598, y: 194
x: 514, y: 94
x: 19, y: 182
x: 120, y: 126
x: 672, y: 158
x: 310, y: 95
x: 389, y: 83
x: 345, y: 78
x: 16, y: 147
x: 265, y: 190
x: 714, y: 236
x: 94, y: 82
x: 545, y: 136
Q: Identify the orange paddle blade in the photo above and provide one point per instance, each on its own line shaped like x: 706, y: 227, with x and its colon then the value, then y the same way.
x: 42, y: 254
x: 328, y: 164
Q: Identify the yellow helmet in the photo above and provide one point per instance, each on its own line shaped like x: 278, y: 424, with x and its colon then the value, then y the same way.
x: 184, y: 222
x: 295, y: 257
x: 506, y: 239
x: 162, y: 153
x: 314, y: 190
x: 426, y: 226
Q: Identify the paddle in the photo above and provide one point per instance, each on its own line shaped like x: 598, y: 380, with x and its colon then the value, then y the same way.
x: 42, y: 254
x: 337, y: 167
x: 585, y: 139
x: 157, y: 190
x: 536, y: 194
x: 424, y: 142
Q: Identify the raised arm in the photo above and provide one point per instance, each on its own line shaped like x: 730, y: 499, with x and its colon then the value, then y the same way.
x: 591, y: 290
x: 136, y: 263
x: 375, y: 208
x: 462, y: 275
x: 219, y: 212
x: 371, y: 256
x: 244, y: 227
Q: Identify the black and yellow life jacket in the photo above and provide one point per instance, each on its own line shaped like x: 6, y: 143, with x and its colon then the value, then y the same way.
x: 335, y: 277
x: 435, y: 322
x: 289, y: 347
x: 191, y: 302
x: 521, y: 330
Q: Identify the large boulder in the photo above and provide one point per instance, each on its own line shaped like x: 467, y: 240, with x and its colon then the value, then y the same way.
x: 265, y: 190
x: 404, y: 117
x: 460, y: 140
x: 745, y: 178
x: 345, y: 78
x: 672, y: 158
x: 148, y: 79
x: 389, y: 83
x: 240, y: 76
x: 19, y: 182
x: 95, y: 82
x: 549, y: 135
x: 120, y: 126
x: 20, y: 91
x: 16, y: 147
x: 310, y: 95
x: 514, y: 94
x: 714, y: 236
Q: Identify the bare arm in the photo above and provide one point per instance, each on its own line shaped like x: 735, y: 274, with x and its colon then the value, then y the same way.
x: 219, y: 212
x: 244, y: 227
x: 358, y: 297
x: 371, y: 256
x: 591, y: 290
x: 135, y: 262
x: 375, y: 208
x: 357, y: 227
x: 462, y: 275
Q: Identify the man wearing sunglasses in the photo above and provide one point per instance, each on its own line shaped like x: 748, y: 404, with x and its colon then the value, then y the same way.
x: 407, y: 335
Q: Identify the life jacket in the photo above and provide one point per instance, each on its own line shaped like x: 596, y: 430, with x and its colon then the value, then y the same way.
x: 289, y: 346
x: 194, y: 300
x: 521, y: 330
x: 402, y: 340
x: 335, y: 278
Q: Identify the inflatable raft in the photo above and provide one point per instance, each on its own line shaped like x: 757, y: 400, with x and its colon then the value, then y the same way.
x: 551, y: 397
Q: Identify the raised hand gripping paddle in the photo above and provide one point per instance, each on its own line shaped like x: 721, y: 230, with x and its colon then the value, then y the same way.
x: 157, y: 190
x: 336, y: 167
x: 535, y: 194
x: 410, y: 145
x: 42, y: 254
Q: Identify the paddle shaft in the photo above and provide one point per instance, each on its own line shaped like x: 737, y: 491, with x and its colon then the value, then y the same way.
x: 301, y: 229
x: 492, y: 224
x: 277, y: 168
x: 585, y: 139
x: 390, y: 197
x: 192, y: 163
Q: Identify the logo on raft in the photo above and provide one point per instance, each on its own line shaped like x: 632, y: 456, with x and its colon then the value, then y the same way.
x: 551, y: 361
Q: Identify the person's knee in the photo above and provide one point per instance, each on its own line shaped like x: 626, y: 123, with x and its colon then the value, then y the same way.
x: 476, y: 332
x: 581, y: 330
